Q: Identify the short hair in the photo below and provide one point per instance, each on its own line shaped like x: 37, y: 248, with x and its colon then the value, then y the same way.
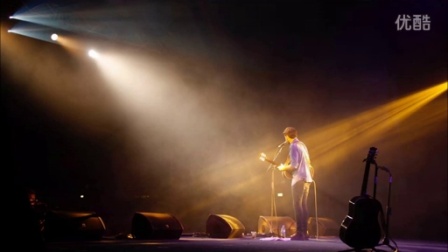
x: 290, y: 132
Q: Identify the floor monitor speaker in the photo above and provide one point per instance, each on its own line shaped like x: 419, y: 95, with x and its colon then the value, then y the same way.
x: 156, y: 226
x: 224, y: 226
x: 271, y: 225
x: 70, y: 225
x: 325, y: 227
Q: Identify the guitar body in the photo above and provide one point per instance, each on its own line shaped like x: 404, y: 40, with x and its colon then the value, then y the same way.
x: 362, y: 228
x: 285, y: 173
x: 288, y: 174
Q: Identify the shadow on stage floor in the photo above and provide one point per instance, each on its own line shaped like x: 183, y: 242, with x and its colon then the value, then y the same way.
x: 190, y: 243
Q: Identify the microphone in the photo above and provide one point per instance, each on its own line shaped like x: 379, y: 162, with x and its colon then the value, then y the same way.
x: 281, y: 145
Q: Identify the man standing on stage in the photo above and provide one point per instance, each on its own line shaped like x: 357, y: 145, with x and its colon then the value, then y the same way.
x: 299, y: 165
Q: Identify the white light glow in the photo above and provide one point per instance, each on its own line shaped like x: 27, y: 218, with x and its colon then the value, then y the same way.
x: 94, y: 54
x: 54, y: 37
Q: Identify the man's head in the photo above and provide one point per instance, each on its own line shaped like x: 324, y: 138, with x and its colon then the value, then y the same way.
x: 32, y: 197
x: 290, y: 132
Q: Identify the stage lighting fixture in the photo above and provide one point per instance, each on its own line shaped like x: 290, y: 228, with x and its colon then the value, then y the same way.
x: 94, y: 54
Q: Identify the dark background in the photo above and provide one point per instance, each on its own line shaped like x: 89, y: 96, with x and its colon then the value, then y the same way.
x: 243, y: 71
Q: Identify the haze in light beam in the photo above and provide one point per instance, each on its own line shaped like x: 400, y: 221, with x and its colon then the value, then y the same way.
x: 338, y: 140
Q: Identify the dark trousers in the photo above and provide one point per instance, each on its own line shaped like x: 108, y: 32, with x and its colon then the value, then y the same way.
x: 300, y: 192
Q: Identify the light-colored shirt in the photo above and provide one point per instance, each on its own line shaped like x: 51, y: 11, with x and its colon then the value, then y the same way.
x: 300, y: 160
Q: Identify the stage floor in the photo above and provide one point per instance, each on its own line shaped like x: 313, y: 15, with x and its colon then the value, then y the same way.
x: 234, y: 244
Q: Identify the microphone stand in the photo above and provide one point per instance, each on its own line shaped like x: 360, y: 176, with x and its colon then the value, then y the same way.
x: 273, y: 204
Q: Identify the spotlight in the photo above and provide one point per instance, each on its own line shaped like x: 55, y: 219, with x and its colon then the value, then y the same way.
x: 54, y: 37
x: 94, y: 54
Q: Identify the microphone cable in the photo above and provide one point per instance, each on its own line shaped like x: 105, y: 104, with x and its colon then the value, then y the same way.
x: 315, y: 209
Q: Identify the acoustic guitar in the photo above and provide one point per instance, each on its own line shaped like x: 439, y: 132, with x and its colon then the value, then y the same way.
x: 285, y: 173
x: 362, y: 227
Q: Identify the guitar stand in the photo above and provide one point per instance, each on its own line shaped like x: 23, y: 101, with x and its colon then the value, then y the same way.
x: 386, y: 241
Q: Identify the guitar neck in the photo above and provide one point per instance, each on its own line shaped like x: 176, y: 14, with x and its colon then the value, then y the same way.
x: 369, y: 160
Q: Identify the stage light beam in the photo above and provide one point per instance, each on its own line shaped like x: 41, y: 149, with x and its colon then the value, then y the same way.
x: 370, y: 126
